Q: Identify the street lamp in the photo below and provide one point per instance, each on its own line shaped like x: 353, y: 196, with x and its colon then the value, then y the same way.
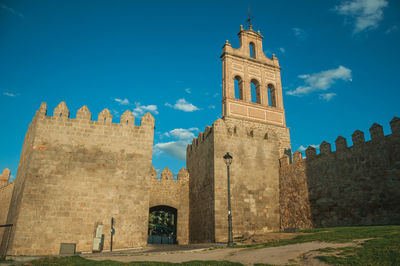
x: 228, y: 160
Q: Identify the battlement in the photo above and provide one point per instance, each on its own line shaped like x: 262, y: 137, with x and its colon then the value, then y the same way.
x: 358, y: 138
x: 233, y: 130
x: 356, y: 185
x: 4, y: 177
x: 61, y: 113
x: 167, y: 175
x: 61, y: 129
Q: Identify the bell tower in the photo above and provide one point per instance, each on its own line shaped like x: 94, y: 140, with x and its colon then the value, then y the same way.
x: 248, y: 74
x: 254, y: 132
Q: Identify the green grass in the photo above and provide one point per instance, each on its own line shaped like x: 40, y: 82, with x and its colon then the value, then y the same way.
x: 76, y: 260
x: 380, y: 251
x: 333, y: 235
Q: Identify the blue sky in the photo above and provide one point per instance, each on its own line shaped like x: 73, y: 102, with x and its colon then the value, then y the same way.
x: 340, y: 64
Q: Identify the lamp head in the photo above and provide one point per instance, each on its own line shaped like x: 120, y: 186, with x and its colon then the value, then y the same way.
x: 228, y: 159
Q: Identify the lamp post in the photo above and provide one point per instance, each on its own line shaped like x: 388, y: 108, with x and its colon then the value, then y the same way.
x: 228, y: 160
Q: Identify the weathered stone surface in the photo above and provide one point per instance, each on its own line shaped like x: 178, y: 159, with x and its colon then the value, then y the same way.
x: 75, y: 174
x: 6, y: 190
x: 254, y: 176
x: 358, y: 185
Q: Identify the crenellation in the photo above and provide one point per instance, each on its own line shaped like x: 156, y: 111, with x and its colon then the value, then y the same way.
x: 311, y: 152
x: 395, y: 125
x: 360, y: 174
x: 105, y: 117
x: 147, y: 120
x: 166, y: 174
x: 200, y: 137
x: 61, y: 111
x: 127, y: 119
x: 84, y: 114
x: 358, y: 138
x: 325, y: 148
x: 297, y: 157
x: 341, y: 144
x: 4, y: 177
x: 376, y: 132
x: 42, y: 110
x: 183, y: 174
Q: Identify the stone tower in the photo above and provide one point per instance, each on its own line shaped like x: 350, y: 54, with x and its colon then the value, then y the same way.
x: 248, y: 74
x: 254, y: 133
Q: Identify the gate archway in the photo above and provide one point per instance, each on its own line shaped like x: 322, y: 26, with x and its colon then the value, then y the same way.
x: 162, y: 225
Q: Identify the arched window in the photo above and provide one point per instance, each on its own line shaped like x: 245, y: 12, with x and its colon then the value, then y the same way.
x: 271, y: 95
x: 255, y: 91
x: 252, y: 48
x: 238, y: 88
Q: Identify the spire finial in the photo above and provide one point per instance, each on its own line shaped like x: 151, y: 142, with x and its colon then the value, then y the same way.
x: 249, y: 19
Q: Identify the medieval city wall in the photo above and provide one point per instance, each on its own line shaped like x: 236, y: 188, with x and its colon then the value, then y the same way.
x: 6, y: 190
x: 76, y: 174
x: 173, y: 193
x: 200, y: 164
x: 355, y: 185
x: 255, y: 148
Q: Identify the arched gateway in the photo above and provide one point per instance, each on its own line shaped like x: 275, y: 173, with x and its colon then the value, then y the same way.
x: 162, y: 225
x: 169, y: 208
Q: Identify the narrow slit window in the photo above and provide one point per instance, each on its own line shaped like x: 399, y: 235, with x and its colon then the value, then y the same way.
x: 271, y: 95
x: 238, y: 87
x: 252, y: 48
x: 255, y: 91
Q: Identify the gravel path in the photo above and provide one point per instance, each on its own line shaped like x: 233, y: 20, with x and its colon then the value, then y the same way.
x: 272, y: 255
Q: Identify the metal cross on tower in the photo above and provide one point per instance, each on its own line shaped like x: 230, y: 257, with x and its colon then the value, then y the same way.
x: 249, y: 19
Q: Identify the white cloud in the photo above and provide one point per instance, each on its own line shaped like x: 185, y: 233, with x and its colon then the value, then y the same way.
x: 211, y: 106
x: 12, y: 11
x: 188, y: 90
x: 321, y: 81
x: 183, y: 105
x: 182, y: 133
x: 366, y: 13
x: 300, y: 33
x: 391, y: 29
x: 302, y: 148
x: 114, y: 112
x: 122, y: 102
x: 216, y: 95
x: 282, y: 50
x: 327, y: 96
x: 139, y: 110
x: 175, y: 148
x: 10, y: 94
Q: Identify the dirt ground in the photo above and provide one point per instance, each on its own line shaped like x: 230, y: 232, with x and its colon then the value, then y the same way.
x: 302, y: 254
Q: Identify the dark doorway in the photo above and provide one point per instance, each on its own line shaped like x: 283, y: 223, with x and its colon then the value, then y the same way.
x: 162, y: 225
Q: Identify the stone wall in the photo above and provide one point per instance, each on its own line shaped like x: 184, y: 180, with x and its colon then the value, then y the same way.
x: 75, y: 174
x: 356, y: 185
x: 200, y: 164
x: 6, y: 190
x: 255, y: 148
x: 173, y: 193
